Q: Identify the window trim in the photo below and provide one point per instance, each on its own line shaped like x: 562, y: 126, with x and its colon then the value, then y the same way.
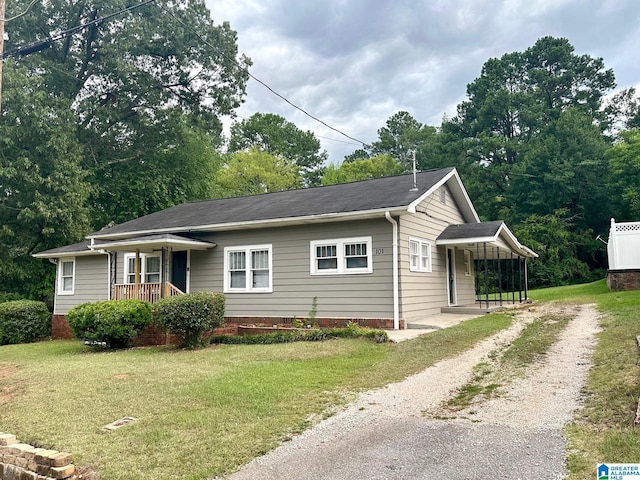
x: 419, y: 268
x: 143, y: 268
x: 248, y: 288
x: 341, y: 268
x: 61, y: 277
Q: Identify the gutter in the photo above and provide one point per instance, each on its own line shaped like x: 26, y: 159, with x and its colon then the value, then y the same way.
x: 396, y: 289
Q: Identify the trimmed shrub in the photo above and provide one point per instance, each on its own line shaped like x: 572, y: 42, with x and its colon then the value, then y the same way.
x: 23, y: 321
x: 190, y: 316
x: 112, y: 323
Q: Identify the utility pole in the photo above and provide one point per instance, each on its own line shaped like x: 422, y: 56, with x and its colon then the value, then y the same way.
x: 2, y: 5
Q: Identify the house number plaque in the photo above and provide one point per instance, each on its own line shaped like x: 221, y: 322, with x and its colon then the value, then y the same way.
x: 379, y: 251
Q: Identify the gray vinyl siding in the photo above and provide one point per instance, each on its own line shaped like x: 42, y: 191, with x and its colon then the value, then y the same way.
x: 425, y: 293
x: 367, y: 295
x: 91, y: 283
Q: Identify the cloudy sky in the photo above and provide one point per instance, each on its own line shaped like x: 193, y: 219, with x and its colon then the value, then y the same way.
x: 354, y: 63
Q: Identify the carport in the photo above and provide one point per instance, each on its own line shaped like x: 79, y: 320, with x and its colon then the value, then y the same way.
x: 499, y: 261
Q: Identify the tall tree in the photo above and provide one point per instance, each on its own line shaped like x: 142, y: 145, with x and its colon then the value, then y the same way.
x: 253, y: 172
x: 401, y: 138
x: 513, y: 100
x: 43, y: 187
x: 530, y: 146
x: 624, y: 163
x: 135, y: 81
x: 274, y: 134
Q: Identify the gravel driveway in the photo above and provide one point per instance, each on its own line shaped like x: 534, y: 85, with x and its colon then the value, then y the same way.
x: 394, y: 433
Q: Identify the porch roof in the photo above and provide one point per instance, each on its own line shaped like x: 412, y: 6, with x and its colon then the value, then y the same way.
x: 493, y: 234
x: 154, y: 242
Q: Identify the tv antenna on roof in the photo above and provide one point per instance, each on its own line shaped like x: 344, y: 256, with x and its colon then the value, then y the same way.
x: 415, y: 179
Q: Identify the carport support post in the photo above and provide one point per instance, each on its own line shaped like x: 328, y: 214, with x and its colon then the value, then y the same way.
x: 526, y: 280
x: 486, y: 275
x: 499, y: 276
x: 520, y: 279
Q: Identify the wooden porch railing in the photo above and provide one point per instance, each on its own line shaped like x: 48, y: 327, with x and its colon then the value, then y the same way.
x: 149, y: 292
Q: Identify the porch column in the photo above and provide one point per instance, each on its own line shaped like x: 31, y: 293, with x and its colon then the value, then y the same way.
x: 137, y: 273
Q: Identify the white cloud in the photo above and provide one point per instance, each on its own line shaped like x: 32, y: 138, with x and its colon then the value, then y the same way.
x: 354, y: 63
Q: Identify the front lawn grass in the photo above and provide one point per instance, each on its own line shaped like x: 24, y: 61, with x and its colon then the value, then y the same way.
x: 603, y: 430
x: 199, y: 413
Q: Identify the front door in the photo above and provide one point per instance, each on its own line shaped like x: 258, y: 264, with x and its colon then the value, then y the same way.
x: 451, y: 276
x: 179, y: 270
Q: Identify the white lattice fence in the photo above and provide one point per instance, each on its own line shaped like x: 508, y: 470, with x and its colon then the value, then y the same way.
x: 623, y: 248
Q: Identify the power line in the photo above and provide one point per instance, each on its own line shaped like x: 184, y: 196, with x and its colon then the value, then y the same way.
x: 42, y: 44
x: 274, y: 92
x: 15, y: 17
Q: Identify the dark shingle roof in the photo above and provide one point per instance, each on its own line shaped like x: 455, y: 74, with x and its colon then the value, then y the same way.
x: 74, y: 249
x: 381, y: 193
x: 471, y: 230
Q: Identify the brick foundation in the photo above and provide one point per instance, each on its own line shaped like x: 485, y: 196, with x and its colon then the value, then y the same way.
x: 154, y: 335
x: 622, y: 280
x: 20, y: 461
x: 384, y: 323
x: 60, y: 329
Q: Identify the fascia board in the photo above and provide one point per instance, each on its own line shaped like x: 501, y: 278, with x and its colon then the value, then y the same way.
x: 82, y: 253
x: 459, y: 192
x: 194, y: 244
x: 326, y: 217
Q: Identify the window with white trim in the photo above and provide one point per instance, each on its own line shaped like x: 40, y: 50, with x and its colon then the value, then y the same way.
x: 248, y: 269
x: 66, y: 276
x: 341, y: 256
x: 149, y: 268
x: 419, y: 255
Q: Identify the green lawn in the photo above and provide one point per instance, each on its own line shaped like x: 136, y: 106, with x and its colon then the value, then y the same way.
x: 199, y: 413
x: 603, y: 430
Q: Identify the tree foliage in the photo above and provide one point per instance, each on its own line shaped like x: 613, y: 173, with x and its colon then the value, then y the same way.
x: 273, y: 134
x: 134, y: 84
x: 44, y: 191
x: 254, y: 172
x: 117, y: 120
x: 364, y: 169
x: 624, y: 165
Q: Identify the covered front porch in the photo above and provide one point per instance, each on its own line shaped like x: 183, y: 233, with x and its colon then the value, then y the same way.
x: 150, y: 267
x: 497, y: 261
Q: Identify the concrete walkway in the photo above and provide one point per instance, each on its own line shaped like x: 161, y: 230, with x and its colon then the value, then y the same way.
x: 430, y: 324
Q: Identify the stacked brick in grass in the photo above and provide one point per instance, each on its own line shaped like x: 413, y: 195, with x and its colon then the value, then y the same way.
x: 20, y: 461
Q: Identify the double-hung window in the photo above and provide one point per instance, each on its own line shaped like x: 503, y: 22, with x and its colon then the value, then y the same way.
x: 149, y: 268
x: 66, y: 276
x: 341, y: 256
x: 248, y: 269
x: 419, y: 255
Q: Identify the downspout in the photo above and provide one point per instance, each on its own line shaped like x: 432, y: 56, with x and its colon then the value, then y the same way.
x: 396, y: 295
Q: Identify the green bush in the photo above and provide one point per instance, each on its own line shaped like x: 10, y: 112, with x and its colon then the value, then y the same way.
x: 23, y: 321
x: 190, y: 316
x: 10, y: 297
x: 114, y: 323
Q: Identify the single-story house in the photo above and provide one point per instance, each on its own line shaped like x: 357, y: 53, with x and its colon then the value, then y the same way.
x: 383, y: 252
